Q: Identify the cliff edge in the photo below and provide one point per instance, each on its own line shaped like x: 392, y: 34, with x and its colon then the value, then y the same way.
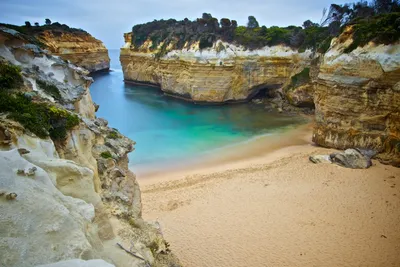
x: 347, y: 69
x: 67, y: 195
x: 75, y: 45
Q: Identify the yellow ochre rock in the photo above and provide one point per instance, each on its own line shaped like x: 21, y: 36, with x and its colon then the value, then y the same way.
x: 79, y: 47
x: 219, y: 74
x: 357, y: 99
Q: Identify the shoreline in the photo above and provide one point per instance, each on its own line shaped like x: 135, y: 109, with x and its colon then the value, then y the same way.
x: 244, y: 153
x: 276, y: 208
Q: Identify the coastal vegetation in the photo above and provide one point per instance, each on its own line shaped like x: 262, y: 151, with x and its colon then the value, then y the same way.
x: 40, y: 118
x: 28, y: 29
x: 49, y: 89
x: 113, y: 135
x: 377, y: 21
x: 106, y: 155
x: 10, y: 76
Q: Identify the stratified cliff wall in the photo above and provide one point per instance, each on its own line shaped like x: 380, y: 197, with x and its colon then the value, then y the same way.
x: 355, y: 93
x: 357, y: 99
x: 222, y: 73
x: 77, y: 46
x: 70, y: 198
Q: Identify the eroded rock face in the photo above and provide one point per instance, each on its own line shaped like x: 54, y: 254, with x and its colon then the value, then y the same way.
x: 357, y: 100
x: 80, y: 48
x: 219, y: 74
x: 67, y: 200
x: 40, y: 219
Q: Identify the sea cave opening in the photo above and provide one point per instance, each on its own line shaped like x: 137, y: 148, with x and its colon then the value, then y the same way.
x: 265, y: 91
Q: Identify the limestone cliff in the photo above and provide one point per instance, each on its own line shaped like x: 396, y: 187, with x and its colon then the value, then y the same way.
x: 353, y: 82
x: 77, y: 46
x: 222, y: 73
x: 357, y: 98
x: 67, y: 199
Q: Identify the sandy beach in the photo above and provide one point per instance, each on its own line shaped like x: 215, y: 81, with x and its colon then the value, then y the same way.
x: 261, y: 206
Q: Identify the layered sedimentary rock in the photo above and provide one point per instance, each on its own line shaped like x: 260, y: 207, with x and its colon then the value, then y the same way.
x: 299, y: 89
x: 77, y: 46
x: 356, y: 95
x: 68, y: 201
x: 219, y: 74
x: 357, y: 99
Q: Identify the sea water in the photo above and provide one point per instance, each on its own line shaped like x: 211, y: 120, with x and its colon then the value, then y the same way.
x: 169, y: 130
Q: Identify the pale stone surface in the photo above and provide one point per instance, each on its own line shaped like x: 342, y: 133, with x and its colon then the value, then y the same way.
x: 320, y: 159
x: 78, y: 263
x: 41, y: 219
x: 59, y: 200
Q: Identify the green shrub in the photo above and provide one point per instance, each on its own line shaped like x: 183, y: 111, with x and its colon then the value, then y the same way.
x: 113, y: 135
x: 206, y: 41
x: 106, y: 155
x: 61, y: 121
x: 10, y: 76
x: 314, y: 38
x: 324, y: 45
x: 50, y: 89
x: 39, y: 118
x: 381, y: 29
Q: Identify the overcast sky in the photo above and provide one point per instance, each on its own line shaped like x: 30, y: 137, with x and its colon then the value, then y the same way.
x: 107, y: 20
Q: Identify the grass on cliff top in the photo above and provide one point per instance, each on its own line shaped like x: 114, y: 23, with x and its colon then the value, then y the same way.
x: 40, y: 118
x: 381, y: 29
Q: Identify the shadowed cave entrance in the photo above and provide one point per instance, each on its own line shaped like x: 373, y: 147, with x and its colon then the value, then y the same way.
x: 264, y: 91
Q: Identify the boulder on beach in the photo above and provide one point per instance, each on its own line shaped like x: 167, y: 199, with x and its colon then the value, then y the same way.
x: 350, y: 158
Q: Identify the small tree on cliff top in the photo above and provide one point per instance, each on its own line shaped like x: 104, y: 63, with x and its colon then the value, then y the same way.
x: 253, y: 23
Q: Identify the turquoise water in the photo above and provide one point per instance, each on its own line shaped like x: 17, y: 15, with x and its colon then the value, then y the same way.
x: 171, y: 130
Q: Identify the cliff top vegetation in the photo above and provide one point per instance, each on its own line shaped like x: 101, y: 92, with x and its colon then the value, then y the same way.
x: 35, y: 29
x: 377, y: 21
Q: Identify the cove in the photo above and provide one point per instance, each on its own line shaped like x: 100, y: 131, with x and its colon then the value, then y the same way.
x: 170, y: 131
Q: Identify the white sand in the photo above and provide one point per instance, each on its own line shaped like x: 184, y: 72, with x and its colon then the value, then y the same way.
x: 278, y: 209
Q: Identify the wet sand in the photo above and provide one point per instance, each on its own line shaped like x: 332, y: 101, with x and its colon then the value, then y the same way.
x: 275, y: 208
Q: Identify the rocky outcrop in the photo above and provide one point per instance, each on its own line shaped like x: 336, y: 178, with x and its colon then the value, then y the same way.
x: 357, y: 99
x: 222, y: 73
x: 77, y: 46
x: 71, y: 199
x: 299, y: 89
x: 350, y: 158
